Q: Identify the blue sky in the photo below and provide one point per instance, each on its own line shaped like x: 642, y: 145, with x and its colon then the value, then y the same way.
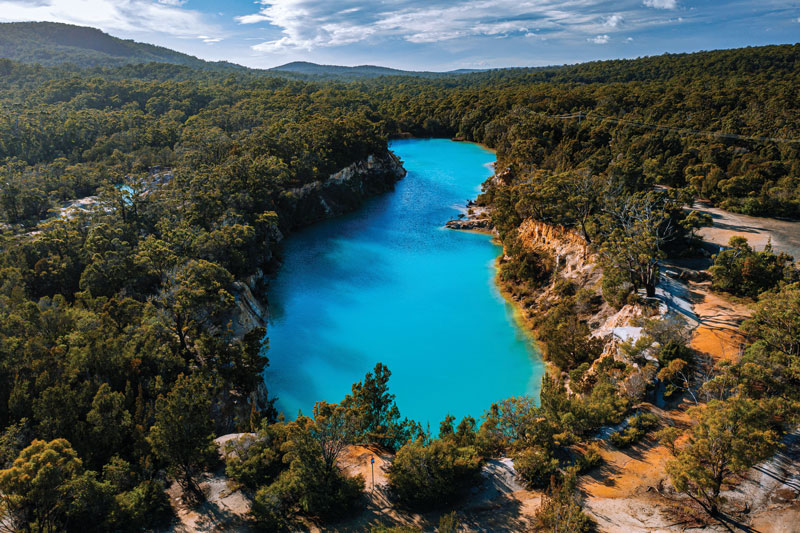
x: 427, y: 34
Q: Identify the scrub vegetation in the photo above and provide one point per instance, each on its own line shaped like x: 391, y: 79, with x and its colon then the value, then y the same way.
x: 119, y: 362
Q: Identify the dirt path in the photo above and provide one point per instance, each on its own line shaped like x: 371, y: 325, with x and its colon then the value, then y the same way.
x: 757, y: 230
x: 717, y: 334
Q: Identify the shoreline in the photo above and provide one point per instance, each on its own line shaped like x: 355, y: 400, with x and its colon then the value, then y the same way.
x: 408, y: 137
x: 521, y: 320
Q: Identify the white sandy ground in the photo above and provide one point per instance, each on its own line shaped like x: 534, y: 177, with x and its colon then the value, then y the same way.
x: 758, y: 231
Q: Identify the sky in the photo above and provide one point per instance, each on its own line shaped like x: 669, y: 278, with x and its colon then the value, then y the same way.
x: 435, y: 35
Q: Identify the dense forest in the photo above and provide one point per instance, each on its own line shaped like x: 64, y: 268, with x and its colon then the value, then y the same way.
x: 119, y: 362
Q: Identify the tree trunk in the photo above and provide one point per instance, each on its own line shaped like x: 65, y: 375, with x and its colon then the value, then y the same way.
x: 651, y: 289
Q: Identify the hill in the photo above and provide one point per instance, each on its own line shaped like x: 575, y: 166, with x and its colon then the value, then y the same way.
x: 308, y: 69
x: 51, y: 43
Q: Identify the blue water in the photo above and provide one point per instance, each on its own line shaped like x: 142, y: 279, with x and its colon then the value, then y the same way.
x: 389, y: 283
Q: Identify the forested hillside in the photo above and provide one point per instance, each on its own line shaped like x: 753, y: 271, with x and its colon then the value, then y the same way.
x: 118, y: 360
x: 52, y: 43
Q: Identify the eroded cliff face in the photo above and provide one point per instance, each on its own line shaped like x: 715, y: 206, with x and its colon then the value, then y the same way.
x: 574, y: 260
x: 341, y: 192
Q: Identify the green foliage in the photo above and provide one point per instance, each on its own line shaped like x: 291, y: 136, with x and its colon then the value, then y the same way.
x: 434, y: 474
x: 182, y: 435
x: 377, y: 419
x: 727, y: 439
x: 635, y: 230
x: 41, y: 486
x: 617, y: 287
x: 560, y: 509
x: 568, y: 341
x: 536, y: 466
x: 312, y: 451
x: 146, y: 506
x: 102, y: 309
x: 270, y: 509
x: 256, y: 461
x: 448, y: 523
x: 514, y: 424
x: 635, y: 429
x: 776, y: 321
x: 524, y: 265
x: 590, y: 459
x: 742, y: 271
x: 394, y: 529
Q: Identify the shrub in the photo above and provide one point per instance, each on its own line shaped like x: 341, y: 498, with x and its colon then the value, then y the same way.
x: 536, y: 466
x: 255, y: 461
x: 270, y: 509
x: 742, y: 271
x: 561, y: 511
x: 394, y: 529
x: 144, y: 508
x: 524, y: 265
x: 448, y: 523
x: 568, y: 340
x: 590, y: 459
x: 617, y: 287
x: 637, y: 427
x: 424, y: 476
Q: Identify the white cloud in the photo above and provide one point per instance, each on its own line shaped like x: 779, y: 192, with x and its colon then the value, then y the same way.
x: 600, y: 39
x: 310, y: 24
x: 661, y: 4
x: 163, y: 16
x: 251, y: 19
x: 613, y: 21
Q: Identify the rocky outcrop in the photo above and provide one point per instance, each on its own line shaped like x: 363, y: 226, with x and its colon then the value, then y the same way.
x: 251, y: 312
x: 341, y: 192
x: 573, y: 258
x: 470, y: 224
x: 477, y: 219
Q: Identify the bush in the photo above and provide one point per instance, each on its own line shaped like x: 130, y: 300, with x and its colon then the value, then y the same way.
x: 742, y: 271
x: 255, y: 461
x: 336, y: 498
x: 524, y: 265
x: 590, y: 459
x: 567, y: 339
x: 617, y: 287
x: 536, y: 466
x: 637, y: 428
x: 270, y: 509
x: 560, y: 510
x: 448, y: 523
x: 144, y: 508
x: 425, y: 476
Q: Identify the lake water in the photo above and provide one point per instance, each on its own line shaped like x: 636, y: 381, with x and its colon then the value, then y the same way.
x: 389, y: 283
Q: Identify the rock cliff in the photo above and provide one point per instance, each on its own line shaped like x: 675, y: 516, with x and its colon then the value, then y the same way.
x: 341, y: 192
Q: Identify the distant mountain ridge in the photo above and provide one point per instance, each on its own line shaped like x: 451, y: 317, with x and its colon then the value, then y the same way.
x: 360, y: 71
x: 53, y: 43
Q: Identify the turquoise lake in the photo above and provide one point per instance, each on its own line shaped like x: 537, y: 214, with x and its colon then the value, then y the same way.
x: 389, y: 283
